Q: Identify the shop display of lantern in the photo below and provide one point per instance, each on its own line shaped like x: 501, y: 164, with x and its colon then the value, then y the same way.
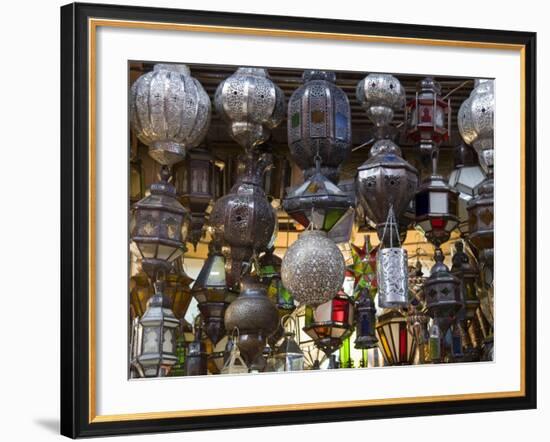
x: 159, y: 227
x: 396, y: 341
x: 365, y: 319
x: 318, y: 202
x: 330, y: 323
x: 156, y: 338
x: 169, y: 112
x: 254, y: 315
x: 313, y: 268
x: 319, y: 124
x: 251, y: 104
x: 195, y: 186
x: 212, y: 294
x: 465, y: 178
x: 288, y: 356
x: 429, y: 117
x: 243, y: 220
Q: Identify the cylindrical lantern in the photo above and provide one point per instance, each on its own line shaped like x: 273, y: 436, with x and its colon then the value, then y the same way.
x: 159, y: 227
x: 169, y: 111
x: 319, y: 124
x: 251, y: 104
x: 396, y: 341
x: 313, y: 268
x: 156, y: 337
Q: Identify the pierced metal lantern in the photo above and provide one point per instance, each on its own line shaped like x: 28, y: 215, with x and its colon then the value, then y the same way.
x: 436, y: 210
x: 465, y: 178
x: 159, y: 227
x: 156, y: 339
x: 251, y: 104
x: 319, y: 124
x: 318, y: 201
x: 385, y: 180
x: 429, y: 116
x: 396, y: 341
x: 380, y: 95
x: 481, y: 213
x: 442, y: 293
x: 365, y: 318
x: 313, y: 268
x: 476, y: 122
x: 195, y: 184
x: 169, y: 112
x: 255, y: 317
x: 330, y: 323
x: 212, y: 294
x: 243, y: 220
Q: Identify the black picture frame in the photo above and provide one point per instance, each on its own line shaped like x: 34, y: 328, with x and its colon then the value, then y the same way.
x: 75, y: 248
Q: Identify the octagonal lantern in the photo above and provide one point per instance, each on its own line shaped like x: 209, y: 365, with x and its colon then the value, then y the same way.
x: 319, y: 124
x: 169, y: 111
x: 380, y: 95
x: 251, y: 104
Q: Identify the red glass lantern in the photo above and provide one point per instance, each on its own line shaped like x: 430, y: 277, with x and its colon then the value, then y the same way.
x: 396, y: 340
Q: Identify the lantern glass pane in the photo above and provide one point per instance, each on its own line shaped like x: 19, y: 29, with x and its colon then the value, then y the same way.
x: 323, y: 312
x: 168, y: 342
x: 394, y: 326
x: 438, y: 202
x: 150, y: 339
x: 422, y: 204
x: 294, y: 362
x: 340, y: 310
x: 165, y: 252
x: 148, y: 250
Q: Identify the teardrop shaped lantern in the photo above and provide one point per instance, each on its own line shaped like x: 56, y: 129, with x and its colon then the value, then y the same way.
x: 319, y: 124
x: 251, y: 104
x: 169, y: 112
x: 380, y: 95
x: 313, y: 268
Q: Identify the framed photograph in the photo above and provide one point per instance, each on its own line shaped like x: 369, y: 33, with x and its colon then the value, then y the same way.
x: 274, y: 220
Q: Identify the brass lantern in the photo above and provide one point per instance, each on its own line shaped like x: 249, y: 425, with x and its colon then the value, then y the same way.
x: 156, y: 337
x: 396, y: 340
x: 159, y: 227
x: 319, y: 124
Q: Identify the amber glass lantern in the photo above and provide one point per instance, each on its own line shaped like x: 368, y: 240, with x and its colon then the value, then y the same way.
x: 396, y: 340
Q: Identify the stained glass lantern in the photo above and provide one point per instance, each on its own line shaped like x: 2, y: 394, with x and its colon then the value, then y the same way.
x: 169, y: 112
x: 330, y: 323
x: 319, y: 124
x: 442, y: 293
x: 319, y: 202
x: 195, y: 185
x: 156, y: 343
x: 243, y: 221
x: 396, y: 341
x: 212, y: 294
x: 465, y: 178
x: 270, y: 275
x: 184, y: 337
x: 251, y: 104
x: 436, y: 210
x: 288, y: 356
x: 159, y: 227
x: 429, y: 116
x: 365, y: 319
x: 254, y: 315
x: 313, y: 268
x: 196, y: 359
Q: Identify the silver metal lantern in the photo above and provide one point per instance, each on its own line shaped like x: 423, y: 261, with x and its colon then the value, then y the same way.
x: 251, y: 104
x: 380, y: 95
x: 169, y: 111
x: 319, y: 124
x: 313, y: 268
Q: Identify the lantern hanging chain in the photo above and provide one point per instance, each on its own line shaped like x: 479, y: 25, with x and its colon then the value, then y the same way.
x: 393, y: 225
x: 366, y: 143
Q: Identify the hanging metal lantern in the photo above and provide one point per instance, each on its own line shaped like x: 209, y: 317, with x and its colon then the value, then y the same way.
x: 319, y: 124
x: 396, y: 341
x: 243, y: 220
x: 313, y: 268
x: 195, y: 184
x: 476, y: 122
x: 429, y: 117
x: 385, y: 180
x: 363, y: 266
x: 156, y: 340
x: 251, y: 104
x: 442, y: 293
x: 159, y: 227
x: 330, y: 323
x: 436, y: 210
x: 380, y: 95
x: 288, y: 356
x: 254, y: 315
x: 481, y: 213
x: 319, y: 202
x: 465, y: 178
x: 365, y: 318
x: 212, y: 294
x: 196, y: 359
x: 392, y: 268
x: 169, y: 112
x: 467, y: 275
x: 184, y: 336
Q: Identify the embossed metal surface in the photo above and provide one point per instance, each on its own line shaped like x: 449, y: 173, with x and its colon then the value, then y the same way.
x: 380, y: 95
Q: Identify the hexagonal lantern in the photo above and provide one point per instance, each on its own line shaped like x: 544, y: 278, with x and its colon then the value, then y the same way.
x: 319, y: 124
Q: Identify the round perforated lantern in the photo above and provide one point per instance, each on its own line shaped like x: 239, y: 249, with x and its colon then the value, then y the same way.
x: 380, y: 95
x: 396, y: 341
